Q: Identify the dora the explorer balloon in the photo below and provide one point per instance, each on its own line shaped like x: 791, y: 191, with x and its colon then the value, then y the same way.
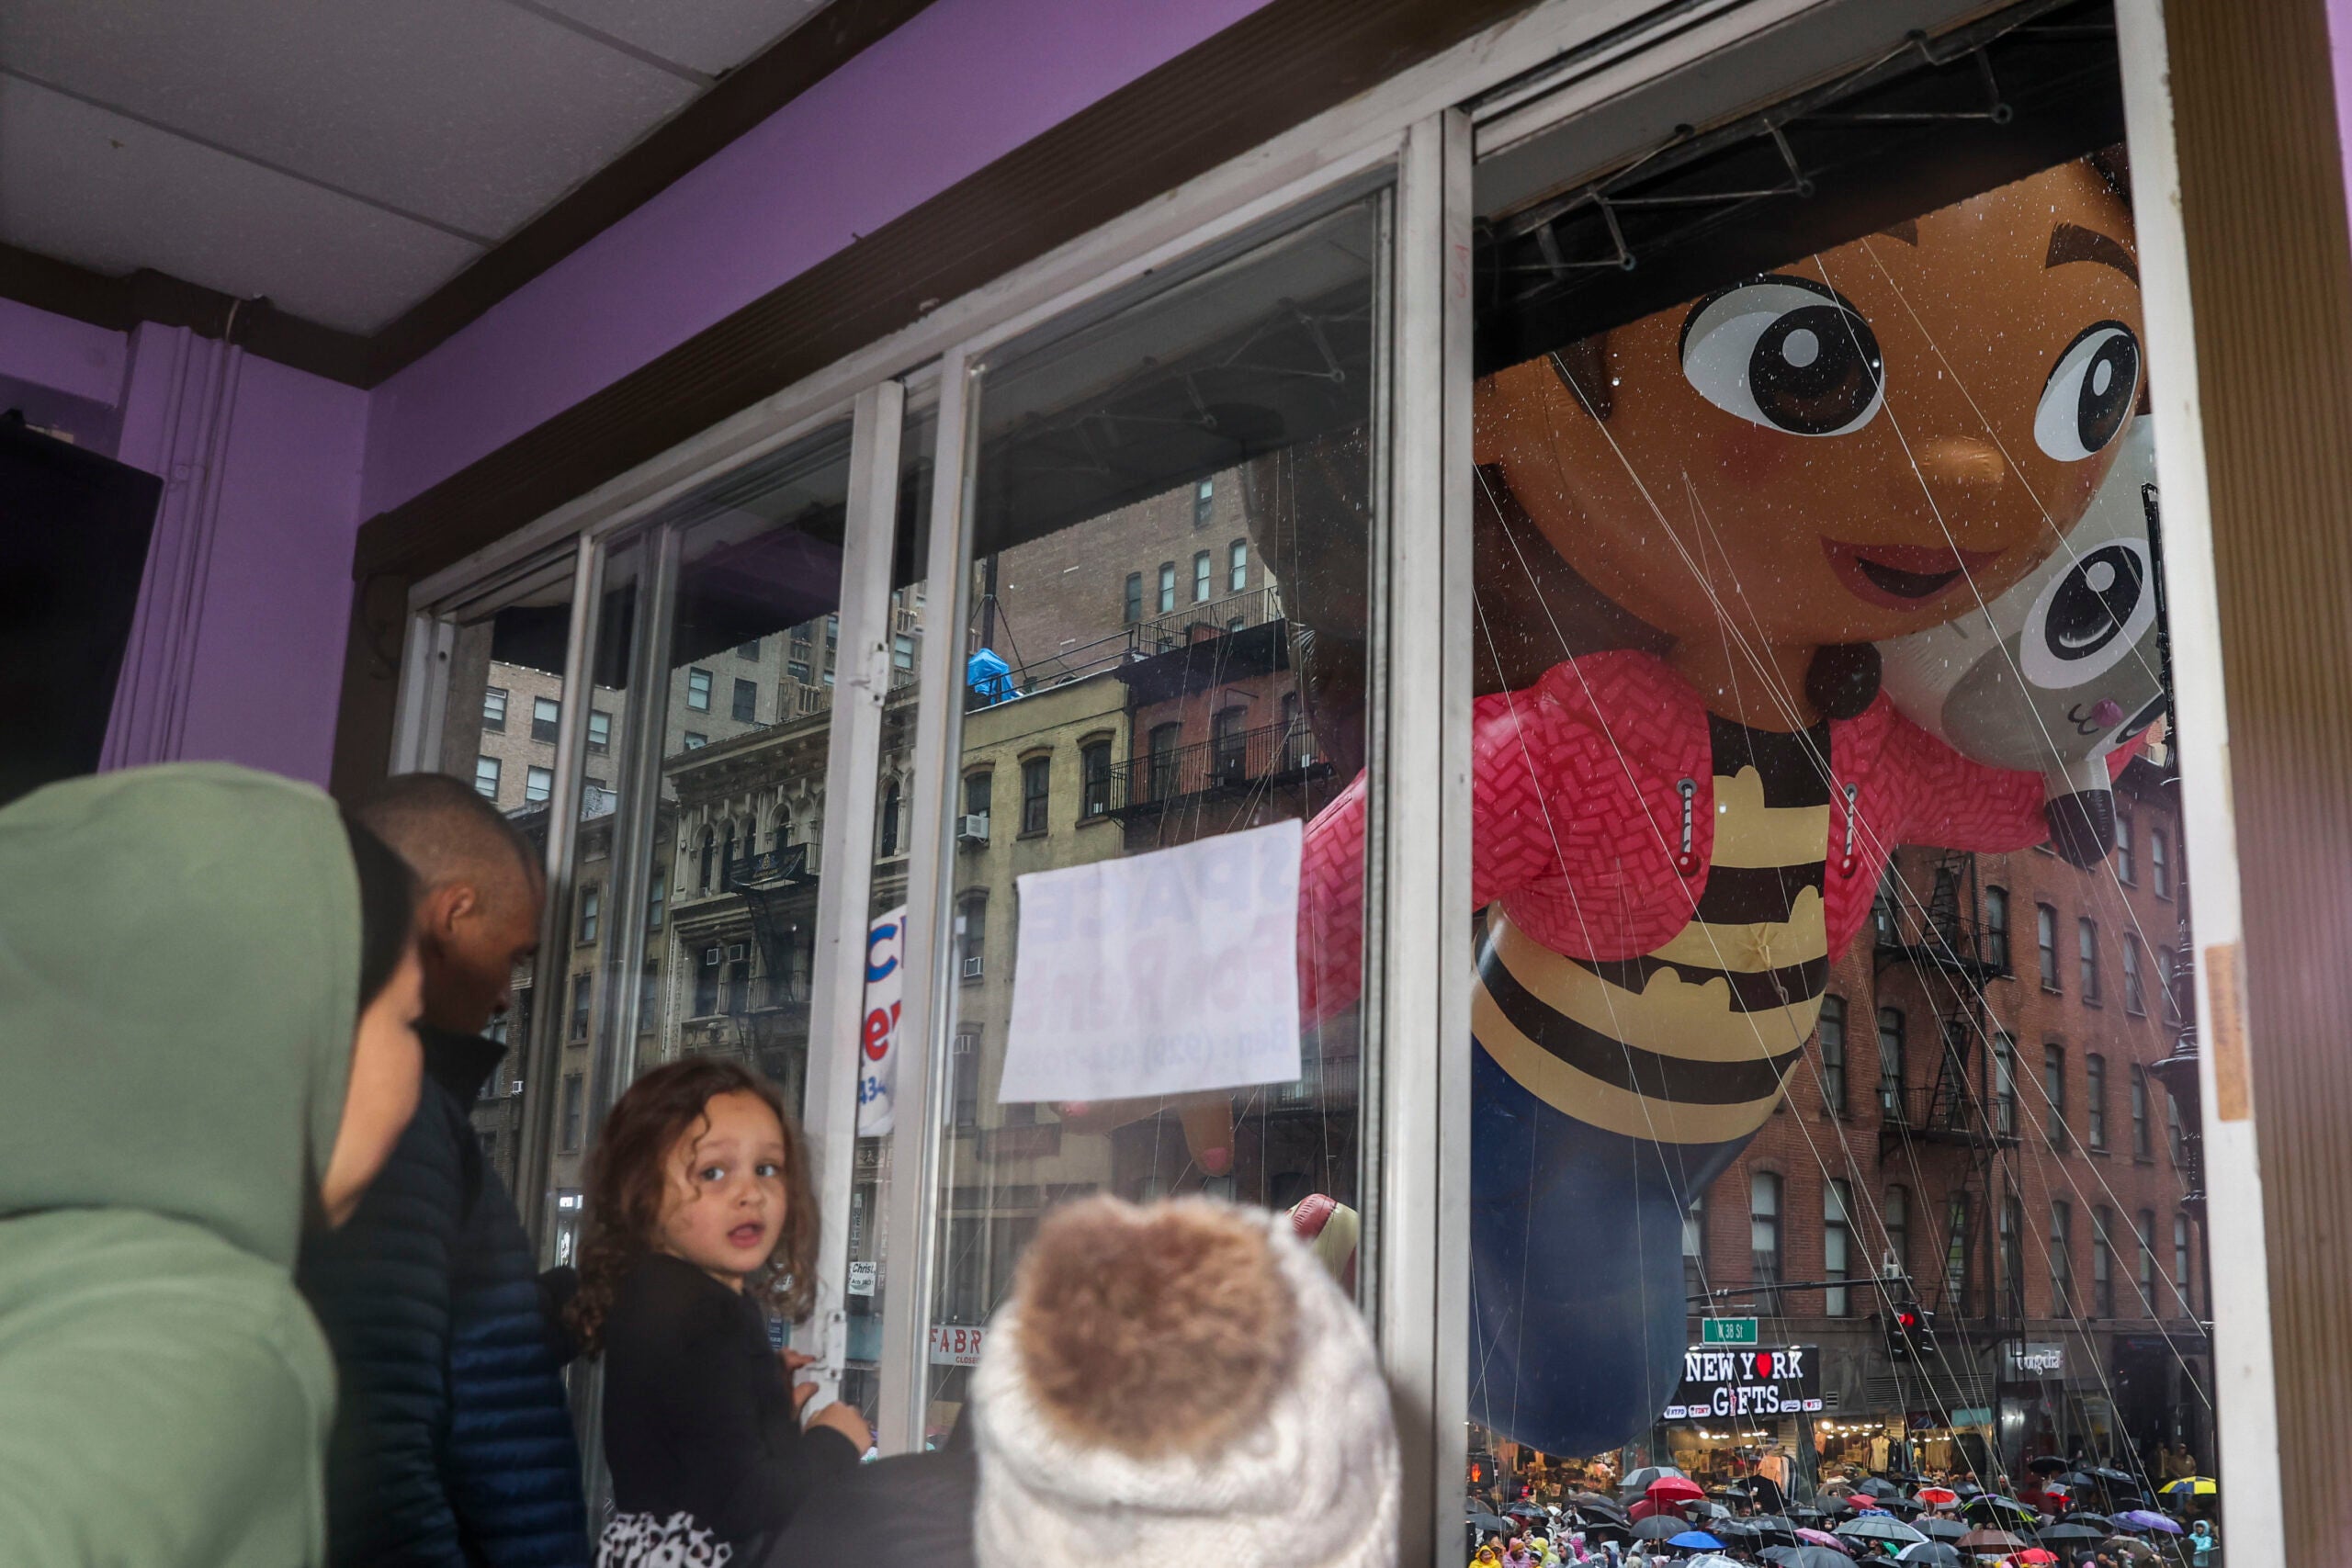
x: 1668, y: 849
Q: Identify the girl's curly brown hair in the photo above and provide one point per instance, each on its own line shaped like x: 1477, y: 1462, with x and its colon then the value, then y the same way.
x: 626, y: 1174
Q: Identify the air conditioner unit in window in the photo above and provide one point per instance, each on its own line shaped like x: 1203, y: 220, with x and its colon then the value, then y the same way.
x: 973, y: 828
x: 738, y: 952
x: 709, y: 956
x: 971, y: 968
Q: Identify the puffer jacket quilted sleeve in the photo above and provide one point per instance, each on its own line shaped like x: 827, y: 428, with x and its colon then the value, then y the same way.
x: 452, y: 1441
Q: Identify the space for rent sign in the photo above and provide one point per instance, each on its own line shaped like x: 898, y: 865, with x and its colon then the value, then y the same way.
x: 1718, y: 1382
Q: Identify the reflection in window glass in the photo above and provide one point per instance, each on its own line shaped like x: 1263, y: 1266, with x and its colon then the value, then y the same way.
x: 1239, y: 395
x: 537, y: 784
x: 1815, y: 588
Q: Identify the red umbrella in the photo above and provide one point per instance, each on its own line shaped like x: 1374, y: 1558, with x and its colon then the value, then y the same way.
x: 1675, y: 1489
x: 2038, y: 1554
x: 1937, y: 1496
x: 1650, y: 1507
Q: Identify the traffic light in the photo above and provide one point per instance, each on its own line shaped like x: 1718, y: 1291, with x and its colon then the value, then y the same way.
x: 1910, y: 1330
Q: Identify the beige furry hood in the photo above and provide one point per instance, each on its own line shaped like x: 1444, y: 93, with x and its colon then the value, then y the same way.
x: 1181, y: 1384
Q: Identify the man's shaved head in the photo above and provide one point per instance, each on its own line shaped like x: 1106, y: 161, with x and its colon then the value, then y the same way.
x: 480, y: 915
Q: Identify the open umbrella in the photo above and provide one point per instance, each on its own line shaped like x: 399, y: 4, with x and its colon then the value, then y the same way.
x: 2037, y: 1554
x: 2066, y: 1531
x: 2192, y: 1486
x: 1941, y: 1529
x: 1878, y: 1488
x: 1772, y: 1523
x: 2045, y: 1464
x: 1660, y: 1527
x: 2141, y: 1518
x: 2131, y: 1548
x: 1901, y: 1506
x: 1485, y: 1522
x: 2084, y: 1517
x: 1934, y: 1553
x: 1709, y: 1559
x: 1988, y: 1540
x: 1806, y: 1556
x: 1525, y: 1511
x: 1695, y: 1540
x: 1937, y: 1496
x: 1877, y: 1526
x: 1592, y: 1500
x: 1990, y: 1509
x: 1636, y: 1482
x: 2073, y: 1478
x: 1822, y: 1538
x: 1674, y: 1489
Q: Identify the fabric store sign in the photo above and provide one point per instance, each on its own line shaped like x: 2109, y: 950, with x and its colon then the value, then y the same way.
x: 953, y: 1347
x: 2030, y: 1361
x: 1718, y: 1382
x: 1160, y: 974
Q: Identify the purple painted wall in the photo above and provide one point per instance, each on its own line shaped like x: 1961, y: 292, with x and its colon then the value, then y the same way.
x: 244, y: 650
x: 962, y: 83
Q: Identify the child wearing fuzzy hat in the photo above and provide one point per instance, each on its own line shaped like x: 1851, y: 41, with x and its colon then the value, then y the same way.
x: 1181, y: 1384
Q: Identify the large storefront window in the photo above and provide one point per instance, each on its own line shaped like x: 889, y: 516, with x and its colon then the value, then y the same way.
x: 1816, y: 618
x: 1212, y: 442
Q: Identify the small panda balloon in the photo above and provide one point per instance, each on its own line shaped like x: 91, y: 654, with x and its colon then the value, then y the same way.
x: 2062, y: 669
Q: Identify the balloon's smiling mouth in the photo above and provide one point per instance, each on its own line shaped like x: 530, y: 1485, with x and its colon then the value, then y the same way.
x: 1901, y: 577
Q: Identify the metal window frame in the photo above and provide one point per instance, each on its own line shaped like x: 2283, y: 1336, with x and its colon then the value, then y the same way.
x: 1535, y: 71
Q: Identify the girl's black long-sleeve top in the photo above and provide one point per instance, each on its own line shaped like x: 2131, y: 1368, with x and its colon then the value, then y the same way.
x: 699, y: 1412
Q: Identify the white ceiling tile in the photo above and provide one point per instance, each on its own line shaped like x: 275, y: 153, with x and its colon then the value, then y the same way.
x: 112, y: 194
x: 709, y: 36
x: 474, y: 114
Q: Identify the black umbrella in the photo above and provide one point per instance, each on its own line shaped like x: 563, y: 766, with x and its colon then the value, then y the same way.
x: 1941, y: 1529
x: 1659, y: 1527
x: 1487, y: 1521
x: 2125, y: 1476
x: 2046, y: 1464
x: 1988, y: 1507
x: 1607, y: 1529
x: 1811, y: 1515
x: 1526, y: 1511
x: 1806, y: 1556
x: 2073, y: 1478
x: 1933, y: 1552
x: 1904, y: 1506
x: 1593, y: 1502
x: 2067, y: 1531
x: 1878, y: 1488
x: 2084, y: 1516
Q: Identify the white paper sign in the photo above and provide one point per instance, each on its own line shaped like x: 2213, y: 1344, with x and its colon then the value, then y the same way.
x: 1160, y: 974
x: 878, y: 1041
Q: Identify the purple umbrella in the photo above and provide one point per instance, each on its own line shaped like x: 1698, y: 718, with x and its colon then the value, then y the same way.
x: 2142, y: 1520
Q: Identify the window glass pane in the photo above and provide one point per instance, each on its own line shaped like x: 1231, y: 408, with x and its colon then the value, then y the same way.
x: 1791, y: 527
x: 1094, y: 463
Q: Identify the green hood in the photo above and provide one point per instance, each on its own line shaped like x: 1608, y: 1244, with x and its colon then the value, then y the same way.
x: 179, y: 976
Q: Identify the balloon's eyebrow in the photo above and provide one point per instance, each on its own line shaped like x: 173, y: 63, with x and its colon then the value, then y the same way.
x: 1907, y: 232
x: 2072, y: 242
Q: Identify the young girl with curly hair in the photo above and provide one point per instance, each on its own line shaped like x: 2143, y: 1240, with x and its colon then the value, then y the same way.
x: 702, y: 1221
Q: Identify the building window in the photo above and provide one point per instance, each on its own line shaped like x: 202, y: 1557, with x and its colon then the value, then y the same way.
x: 889, y: 829
x: 2053, y: 1088
x: 698, y: 690
x: 2045, y: 934
x: 581, y: 993
x: 2013, y: 1255
x: 2102, y: 1262
x: 1956, y: 1253
x: 2147, y: 1230
x: 1890, y: 1062
x: 964, y: 1073
x: 653, y: 899
x: 575, y: 1110
x: 2141, y: 1147
x: 1837, y: 1244
x: 1833, y: 1054
x: 2123, y: 871
x: 798, y: 671
x: 1694, y: 1251
x: 1094, y: 772
x: 2086, y: 949
x: 979, y: 789
x: 494, y: 709
x: 1200, y: 577
x: 1036, y: 778
x: 592, y: 904
x: 2061, y: 1259
x: 2159, y: 866
x: 1997, y: 928
x: 2095, y: 1099
x: 600, y: 730
x: 709, y: 856
x: 1895, y: 1216
x: 706, y: 983
x: 2135, y: 999
x: 1204, y: 503
x: 2175, y: 1139
x: 1886, y: 924
x: 747, y: 701
x: 749, y: 652
x: 1237, y: 566
x: 695, y: 740
x: 833, y: 635
x: 538, y: 784
x: 1167, y: 586
x: 1764, y: 1239
x: 1134, y: 600
x: 1229, y: 743
x: 972, y: 935
x: 547, y: 715
x: 2180, y: 1283
x: 1162, y: 755
x: 486, y: 777
x: 2005, y: 1085
x: 902, y: 652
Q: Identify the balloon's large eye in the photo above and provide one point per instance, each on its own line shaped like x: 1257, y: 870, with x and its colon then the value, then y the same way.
x: 1787, y: 353
x: 2090, y: 393
x: 2089, y: 616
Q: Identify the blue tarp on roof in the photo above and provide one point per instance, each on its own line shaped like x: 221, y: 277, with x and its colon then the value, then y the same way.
x: 989, y: 676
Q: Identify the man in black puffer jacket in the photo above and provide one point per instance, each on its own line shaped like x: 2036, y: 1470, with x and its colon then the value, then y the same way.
x: 452, y: 1443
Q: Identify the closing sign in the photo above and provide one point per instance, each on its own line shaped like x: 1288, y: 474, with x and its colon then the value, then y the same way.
x: 1773, y: 1380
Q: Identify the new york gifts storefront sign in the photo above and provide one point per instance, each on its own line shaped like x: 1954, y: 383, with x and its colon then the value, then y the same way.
x: 1728, y: 1383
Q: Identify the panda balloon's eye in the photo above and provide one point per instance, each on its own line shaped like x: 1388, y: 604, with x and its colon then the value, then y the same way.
x: 2089, y: 616
x: 1787, y: 353
x: 2090, y: 394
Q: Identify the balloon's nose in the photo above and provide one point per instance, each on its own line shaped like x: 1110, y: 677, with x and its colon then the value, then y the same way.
x: 2107, y: 713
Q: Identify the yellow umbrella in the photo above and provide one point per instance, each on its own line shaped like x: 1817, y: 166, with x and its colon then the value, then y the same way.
x: 2192, y: 1486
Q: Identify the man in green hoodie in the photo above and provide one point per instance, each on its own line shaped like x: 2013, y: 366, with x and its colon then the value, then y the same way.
x: 184, y: 951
